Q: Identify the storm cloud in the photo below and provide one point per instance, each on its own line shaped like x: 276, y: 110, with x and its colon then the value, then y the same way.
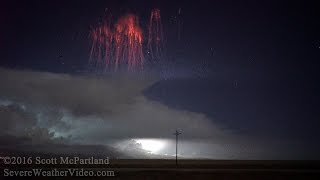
x: 93, y: 110
x: 72, y: 110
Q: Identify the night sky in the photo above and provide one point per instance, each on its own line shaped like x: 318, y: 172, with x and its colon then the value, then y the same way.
x: 258, y: 62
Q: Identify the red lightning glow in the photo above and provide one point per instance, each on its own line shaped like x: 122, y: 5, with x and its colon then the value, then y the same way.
x: 128, y: 42
x: 101, y: 47
x: 119, y: 47
x: 155, y: 38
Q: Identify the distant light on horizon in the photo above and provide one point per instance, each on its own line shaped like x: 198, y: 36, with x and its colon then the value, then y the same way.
x: 152, y: 145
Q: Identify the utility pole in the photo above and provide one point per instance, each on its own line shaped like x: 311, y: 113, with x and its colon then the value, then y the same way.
x: 177, y: 133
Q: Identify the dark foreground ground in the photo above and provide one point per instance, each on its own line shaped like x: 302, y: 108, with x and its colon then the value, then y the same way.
x: 215, y: 169
x: 189, y: 169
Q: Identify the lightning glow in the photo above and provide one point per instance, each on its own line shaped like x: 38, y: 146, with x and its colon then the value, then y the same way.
x: 152, y: 145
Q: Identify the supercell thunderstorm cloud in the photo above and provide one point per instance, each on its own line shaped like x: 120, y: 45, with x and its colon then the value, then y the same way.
x: 112, y: 112
x: 106, y: 111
